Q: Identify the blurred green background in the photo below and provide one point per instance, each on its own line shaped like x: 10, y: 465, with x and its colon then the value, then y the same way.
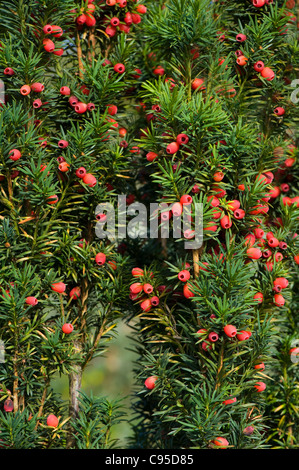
x: 110, y: 376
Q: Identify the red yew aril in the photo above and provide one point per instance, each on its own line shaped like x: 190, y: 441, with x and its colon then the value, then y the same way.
x: 230, y: 331
x: 52, y: 199
x: 90, y: 180
x: 279, y: 300
x: 75, y: 293
x: 8, y: 405
x: 100, y: 258
x: 260, y: 366
x: 186, y: 199
x: 197, y: 84
x: 146, y: 305
x: 239, y: 214
x: 67, y: 328
x: 242, y: 60
x: 15, y: 154
x: 37, y: 103
x: 81, y: 19
x: 220, y: 442
x: 80, y: 107
x: 243, y: 335
x: 58, y: 287
x: 25, y: 90
x: 136, y: 288
x: 151, y: 156
x: 241, y: 37
x: 184, y: 275
x: 259, y: 233
x: 172, y: 148
x: 281, y: 281
x: 267, y: 73
x: 258, y: 297
x: 182, y: 139
x: 226, y: 222
x: 47, y: 29
x: 37, y: 87
x: 188, y: 294
x: 213, y: 337
x: 230, y: 401
x: 218, y: 176
x: 273, y: 242
x: 52, y: 421
x: 137, y: 272
x: 9, y: 71
x: 206, y: 346
x: 31, y: 301
x: 150, y: 382
x: 64, y: 167
x: 148, y: 288
x: 177, y: 209
x: 260, y: 386
x: 155, y: 301
x: 49, y: 45
x: 279, y: 111
x: 90, y: 20
x: 119, y: 68
x: 258, y: 66
x: 81, y: 172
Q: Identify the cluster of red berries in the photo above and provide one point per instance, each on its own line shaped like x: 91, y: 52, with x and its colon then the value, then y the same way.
x: 138, y: 289
x: 117, y: 24
x: 49, y: 45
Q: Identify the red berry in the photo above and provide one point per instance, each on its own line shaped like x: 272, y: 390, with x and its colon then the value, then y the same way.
x: 230, y: 331
x: 146, y: 305
x: 75, y: 293
x: 100, y: 258
x: 177, y: 209
x: 279, y: 111
x: 243, y: 335
x: 155, y: 301
x: 172, y: 148
x: 37, y: 103
x: 148, y: 288
x: 47, y: 29
x: 220, y: 442
x: 52, y: 421
x: 49, y: 45
x: 241, y: 37
x: 31, y: 301
x: 37, y: 87
x: 182, y: 139
x: 150, y: 382
x: 258, y: 3
x: 187, y: 292
x: 258, y: 66
x: 67, y: 328
x: 279, y: 300
x: 81, y: 172
x: 136, y: 288
x: 151, y: 156
x: 15, y: 154
x: 197, y: 83
x: 119, y: 68
x: 80, y: 107
x: 254, y: 253
x: 184, y: 275
x: 137, y: 272
x: 260, y: 386
x: 226, y: 222
x: 90, y: 180
x: 186, y: 199
x: 259, y: 297
x: 230, y: 401
x: 239, y: 214
x: 260, y: 366
x: 90, y: 20
x: 8, y: 71
x: 58, y: 287
x: 65, y: 90
x: 213, y: 337
x: 267, y: 73
x: 25, y: 90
